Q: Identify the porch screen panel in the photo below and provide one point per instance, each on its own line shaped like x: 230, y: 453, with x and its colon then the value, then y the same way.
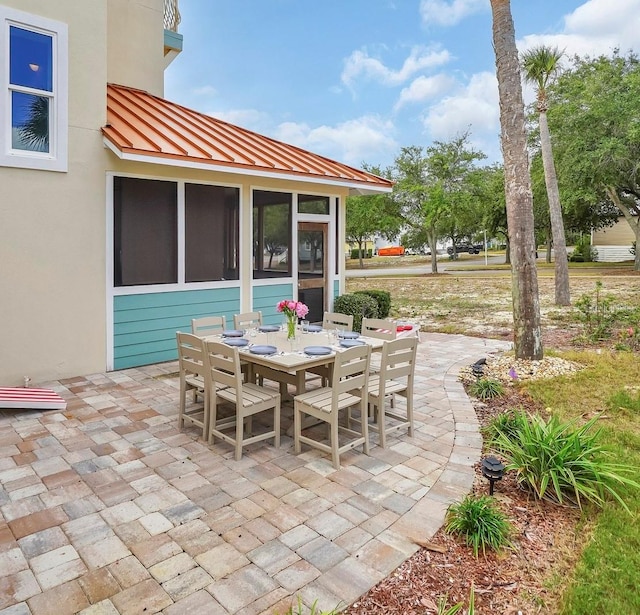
x: 271, y: 234
x: 145, y: 232
x: 211, y: 233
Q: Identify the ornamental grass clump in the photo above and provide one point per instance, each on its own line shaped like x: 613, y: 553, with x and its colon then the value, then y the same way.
x: 508, y: 423
x: 563, y: 462
x: 486, y: 388
x: 480, y: 522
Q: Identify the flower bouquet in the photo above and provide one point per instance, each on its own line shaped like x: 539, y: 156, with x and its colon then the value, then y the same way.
x: 292, y: 311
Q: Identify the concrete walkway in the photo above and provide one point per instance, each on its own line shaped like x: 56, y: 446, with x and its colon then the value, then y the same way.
x: 107, y: 508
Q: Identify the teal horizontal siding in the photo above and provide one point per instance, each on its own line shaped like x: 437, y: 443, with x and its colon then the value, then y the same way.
x: 265, y: 299
x: 144, y: 329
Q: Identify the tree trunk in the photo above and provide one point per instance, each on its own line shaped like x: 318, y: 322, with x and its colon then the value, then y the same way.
x: 524, y: 281
x: 507, y: 254
x: 549, y: 245
x: 432, y: 237
x: 555, y: 214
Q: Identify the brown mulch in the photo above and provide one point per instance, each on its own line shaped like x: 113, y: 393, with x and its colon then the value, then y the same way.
x: 545, y: 544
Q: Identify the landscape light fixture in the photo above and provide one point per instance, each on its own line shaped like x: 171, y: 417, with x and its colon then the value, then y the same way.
x: 492, y: 470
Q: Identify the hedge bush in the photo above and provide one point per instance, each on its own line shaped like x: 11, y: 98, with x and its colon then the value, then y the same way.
x: 355, y: 253
x: 358, y: 305
x: 382, y: 297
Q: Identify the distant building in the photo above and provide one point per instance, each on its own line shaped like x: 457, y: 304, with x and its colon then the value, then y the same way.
x: 612, y: 244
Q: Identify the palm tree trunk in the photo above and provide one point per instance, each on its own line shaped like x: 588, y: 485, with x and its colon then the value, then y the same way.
x: 555, y: 214
x: 524, y: 280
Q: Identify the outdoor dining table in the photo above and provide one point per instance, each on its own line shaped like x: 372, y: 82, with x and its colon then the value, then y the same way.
x: 289, y: 363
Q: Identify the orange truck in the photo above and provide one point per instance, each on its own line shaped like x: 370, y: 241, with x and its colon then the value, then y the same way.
x: 391, y: 251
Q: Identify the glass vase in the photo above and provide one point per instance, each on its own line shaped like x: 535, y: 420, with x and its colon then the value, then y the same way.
x: 291, y: 328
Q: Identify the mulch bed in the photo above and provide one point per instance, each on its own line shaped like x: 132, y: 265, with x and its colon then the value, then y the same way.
x: 545, y: 543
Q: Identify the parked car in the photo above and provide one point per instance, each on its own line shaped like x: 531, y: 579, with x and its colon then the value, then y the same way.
x: 466, y: 247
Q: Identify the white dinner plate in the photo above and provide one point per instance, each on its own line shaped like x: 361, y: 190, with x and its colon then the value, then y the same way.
x: 317, y: 351
x: 265, y: 350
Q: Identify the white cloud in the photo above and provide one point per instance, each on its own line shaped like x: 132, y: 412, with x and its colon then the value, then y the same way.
x: 596, y: 27
x: 368, y: 138
x: 360, y: 64
x: 474, y: 108
x: 444, y: 13
x: 425, y: 88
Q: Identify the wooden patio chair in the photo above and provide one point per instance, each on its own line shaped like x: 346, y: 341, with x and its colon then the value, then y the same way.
x: 379, y: 329
x: 248, y: 320
x: 208, y: 325
x: 335, y: 320
x: 192, y: 372
x: 224, y: 382
x: 349, y: 389
x: 397, y: 369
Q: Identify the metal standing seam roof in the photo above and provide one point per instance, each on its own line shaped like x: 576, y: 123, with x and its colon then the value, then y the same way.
x: 148, y: 128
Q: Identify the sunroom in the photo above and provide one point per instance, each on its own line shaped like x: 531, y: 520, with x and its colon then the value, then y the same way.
x: 206, y: 218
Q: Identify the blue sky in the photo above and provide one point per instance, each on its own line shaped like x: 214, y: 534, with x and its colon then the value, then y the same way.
x: 356, y: 80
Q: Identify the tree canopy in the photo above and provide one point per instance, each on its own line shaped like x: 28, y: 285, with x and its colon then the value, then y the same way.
x: 593, y: 116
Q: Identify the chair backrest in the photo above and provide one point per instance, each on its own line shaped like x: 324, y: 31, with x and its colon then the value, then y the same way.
x: 335, y: 320
x: 350, y: 371
x: 191, y: 358
x: 247, y: 320
x: 379, y: 328
x: 208, y: 325
x: 398, y: 361
x: 222, y: 365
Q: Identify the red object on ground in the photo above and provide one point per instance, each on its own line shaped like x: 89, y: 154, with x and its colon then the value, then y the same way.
x: 31, y: 399
x: 391, y: 251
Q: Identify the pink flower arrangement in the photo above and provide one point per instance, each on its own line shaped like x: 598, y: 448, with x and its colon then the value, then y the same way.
x: 292, y: 309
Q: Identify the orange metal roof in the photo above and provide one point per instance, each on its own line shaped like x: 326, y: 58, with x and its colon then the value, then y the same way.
x: 144, y: 127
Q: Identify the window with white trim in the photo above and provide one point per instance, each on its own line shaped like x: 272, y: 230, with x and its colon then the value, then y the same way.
x: 33, y: 76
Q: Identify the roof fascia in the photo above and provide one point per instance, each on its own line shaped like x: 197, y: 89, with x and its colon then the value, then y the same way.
x: 355, y: 188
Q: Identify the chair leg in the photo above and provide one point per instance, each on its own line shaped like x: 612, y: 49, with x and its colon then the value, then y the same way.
x: 381, y: 424
x: 365, y: 425
x: 335, y: 455
x: 181, y: 408
x: 276, y: 424
x: 239, y: 435
x: 297, y: 421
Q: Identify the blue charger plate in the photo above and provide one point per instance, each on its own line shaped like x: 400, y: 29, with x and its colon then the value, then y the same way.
x: 264, y: 350
x: 317, y: 351
x: 236, y: 341
x: 269, y: 328
x: 232, y: 333
x: 312, y: 328
x: 348, y: 335
x: 352, y: 343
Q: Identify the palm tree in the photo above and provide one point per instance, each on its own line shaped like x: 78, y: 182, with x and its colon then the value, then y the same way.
x: 35, y: 130
x: 540, y: 64
x: 519, y: 199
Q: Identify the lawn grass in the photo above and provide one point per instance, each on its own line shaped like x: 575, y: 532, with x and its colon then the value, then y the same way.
x: 607, y: 575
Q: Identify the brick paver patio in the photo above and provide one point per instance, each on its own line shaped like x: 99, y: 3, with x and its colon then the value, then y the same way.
x: 107, y: 508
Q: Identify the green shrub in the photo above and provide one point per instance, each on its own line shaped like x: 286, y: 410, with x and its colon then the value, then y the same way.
x: 358, y: 305
x: 355, y: 253
x: 383, y: 299
x: 563, y: 461
x: 486, y: 388
x: 480, y: 522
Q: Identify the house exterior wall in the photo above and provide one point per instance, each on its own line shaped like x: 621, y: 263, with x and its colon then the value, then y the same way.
x: 612, y: 244
x: 135, y: 55
x: 620, y: 234
x: 52, y: 297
